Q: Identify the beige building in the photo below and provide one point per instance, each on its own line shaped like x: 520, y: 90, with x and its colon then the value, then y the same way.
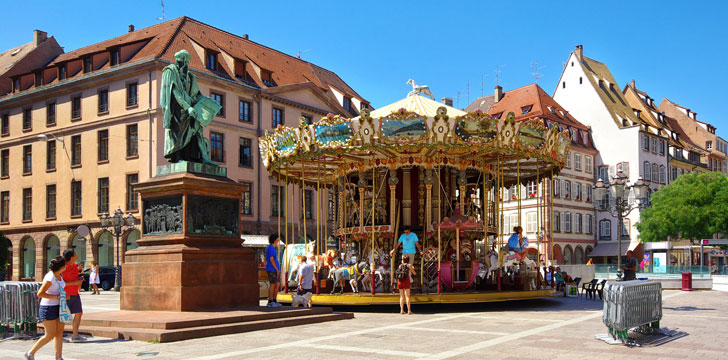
x: 79, y: 131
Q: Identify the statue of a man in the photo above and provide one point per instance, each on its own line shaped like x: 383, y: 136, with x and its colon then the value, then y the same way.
x: 186, y: 113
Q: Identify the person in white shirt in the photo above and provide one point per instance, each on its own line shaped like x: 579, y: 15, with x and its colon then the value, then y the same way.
x: 49, y: 294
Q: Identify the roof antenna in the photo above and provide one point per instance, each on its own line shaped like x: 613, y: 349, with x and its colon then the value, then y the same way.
x: 298, y: 54
x: 482, y: 84
x: 497, y: 73
x: 536, y: 74
x: 163, y: 16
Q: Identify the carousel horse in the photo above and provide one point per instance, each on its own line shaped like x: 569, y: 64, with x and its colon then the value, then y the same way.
x: 529, y: 272
x: 353, y: 274
x: 419, y: 89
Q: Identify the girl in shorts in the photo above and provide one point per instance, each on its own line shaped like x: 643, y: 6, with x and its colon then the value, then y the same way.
x: 49, y: 294
x: 404, y: 285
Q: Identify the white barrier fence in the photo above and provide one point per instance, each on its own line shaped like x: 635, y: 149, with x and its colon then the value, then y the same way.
x: 632, y: 304
x: 19, y: 308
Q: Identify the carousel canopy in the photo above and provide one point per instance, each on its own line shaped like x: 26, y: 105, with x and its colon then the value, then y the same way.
x: 415, y: 131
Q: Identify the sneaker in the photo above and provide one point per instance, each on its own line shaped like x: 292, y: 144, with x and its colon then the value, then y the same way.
x: 78, y: 338
x: 276, y: 304
x: 28, y: 356
x: 270, y: 304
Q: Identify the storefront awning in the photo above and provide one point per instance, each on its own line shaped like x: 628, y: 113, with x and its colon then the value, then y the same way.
x: 611, y: 248
x: 254, y: 240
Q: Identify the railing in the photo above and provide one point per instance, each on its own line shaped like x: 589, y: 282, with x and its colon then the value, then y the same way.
x: 19, y: 308
x: 610, y: 272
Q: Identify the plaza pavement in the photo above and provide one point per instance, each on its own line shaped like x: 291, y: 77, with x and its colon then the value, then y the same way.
x: 555, y: 328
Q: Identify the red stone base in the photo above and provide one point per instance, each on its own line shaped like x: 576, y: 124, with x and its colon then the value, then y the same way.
x: 183, y: 278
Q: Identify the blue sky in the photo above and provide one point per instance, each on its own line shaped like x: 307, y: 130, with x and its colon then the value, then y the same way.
x: 672, y: 49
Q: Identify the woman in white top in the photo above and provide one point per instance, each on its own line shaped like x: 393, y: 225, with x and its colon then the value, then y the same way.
x: 93, y: 278
x: 49, y: 294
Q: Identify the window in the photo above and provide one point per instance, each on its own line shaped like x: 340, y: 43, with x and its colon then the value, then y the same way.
x: 114, y: 57
x: 211, y: 61
x: 51, y: 155
x: 27, y: 159
x: 240, y: 69
x: 589, y: 224
x: 567, y: 222
x: 557, y: 187
x: 75, y: 198
x: 604, y: 173
x: 646, y: 171
x: 563, y: 85
x: 588, y: 193
x: 662, y: 147
x: 50, y: 201
x: 76, y: 150
x: 103, y: 98
x: 132, y: 198
x: 245, y: 158
x: 87, y: 65
x: 624, y: 168
x: 579, y: 224
x: 277, y: 117
x: 653, y: 145
x: 557, y: 221
x: 308, y: 119
x: 246, y: 205
x: 244, y: 111
x: 532, y: 189
x: 5, y: 166
x: 577, y: 191
x: 655, y: 173
x: 347, y: 103
x: 103, y: 196
x: 28, y: 204
x: 220, y: 100
x: 75, y: 108
x: 709, y: 145
x: 531, y: 222
x: 27, y: 119
x: 308, y: 202
x: 51, y: 114
x: 674, y: 174
x: 266, y: 77
x: 568, y: 161
x: 103, y: 144
x: 663, y: 175
x: 274, y: 200
x: 645, y: 143
x: 217, y: 146
x: 526, y: 109
x: 624, y: 229
x: 61, y: 72
x: 132, y: 140
x: 567, y: 189
x: 131, y: 94
x: 5, y: 125
x: 605, y: 230
x: 5, y: 206
x: 577, y: 162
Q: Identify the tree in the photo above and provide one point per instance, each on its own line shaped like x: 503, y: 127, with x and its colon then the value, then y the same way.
x: 694, y: 206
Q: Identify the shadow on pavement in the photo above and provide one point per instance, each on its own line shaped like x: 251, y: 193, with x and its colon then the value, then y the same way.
x: 686, y: 308
x: 653, y: 340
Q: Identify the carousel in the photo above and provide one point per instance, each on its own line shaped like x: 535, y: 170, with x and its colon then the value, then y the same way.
x: 438, y: 170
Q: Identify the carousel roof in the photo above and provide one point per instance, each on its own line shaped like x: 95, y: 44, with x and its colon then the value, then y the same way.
x: 415, y: 131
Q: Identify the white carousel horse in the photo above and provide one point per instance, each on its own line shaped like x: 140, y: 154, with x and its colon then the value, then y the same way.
x: 529, y: 272
x: 419, y: 89
x: 381, y: 259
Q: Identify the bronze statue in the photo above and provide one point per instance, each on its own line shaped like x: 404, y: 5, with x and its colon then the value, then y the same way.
x: 186, y: 113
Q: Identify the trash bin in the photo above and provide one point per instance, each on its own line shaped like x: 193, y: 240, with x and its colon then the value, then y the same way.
x: 687, y: 281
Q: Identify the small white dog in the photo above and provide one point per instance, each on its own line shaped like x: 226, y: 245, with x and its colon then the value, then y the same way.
x: 301, y: 300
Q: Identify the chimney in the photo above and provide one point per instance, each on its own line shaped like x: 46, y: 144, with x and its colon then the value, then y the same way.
x: 245, y: 36
x: 633, y: 86
x: 131, y: 28
x: 579, y: 51
x: 498, y: 93
x: 447, y: 101
x: 39, y: 37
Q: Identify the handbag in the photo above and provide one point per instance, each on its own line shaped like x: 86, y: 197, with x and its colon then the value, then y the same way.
x: 64, y: 313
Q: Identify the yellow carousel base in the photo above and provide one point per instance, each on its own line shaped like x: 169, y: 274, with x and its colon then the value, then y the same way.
x: 444, y: 298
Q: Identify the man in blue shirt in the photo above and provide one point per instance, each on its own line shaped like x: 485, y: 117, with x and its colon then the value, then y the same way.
x: 409, y: 241
x: 272, y: 267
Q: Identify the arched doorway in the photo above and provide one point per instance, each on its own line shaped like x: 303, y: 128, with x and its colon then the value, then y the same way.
x: 78, y: 244
x: 587, y: 252
x: 27, y: 268
x: 52, y: 249
x: 557, y: 255
x: 105, y: 249
x: 578, y: 256
x: 131, y: 239
x: 568, y: 255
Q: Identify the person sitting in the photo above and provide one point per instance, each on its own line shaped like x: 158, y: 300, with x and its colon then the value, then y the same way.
x: 559, y: 279
x: 517, y: 243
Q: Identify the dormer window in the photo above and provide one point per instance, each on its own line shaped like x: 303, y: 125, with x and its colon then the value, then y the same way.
x: 114, y: 57
x: 87, y: 65
x: 16, y: 84
x: 347, y: 103
x: 61, y: 72
x: 267, y: 77
x: 240, y: 69
x: 498, y: 115
x: 526, y: 109
x: 211, y: 61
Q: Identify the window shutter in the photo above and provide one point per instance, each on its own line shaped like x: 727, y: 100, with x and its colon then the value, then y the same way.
x: 625, y: 168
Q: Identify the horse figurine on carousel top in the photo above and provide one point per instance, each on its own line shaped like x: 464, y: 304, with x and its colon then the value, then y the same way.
x: 419, y: 89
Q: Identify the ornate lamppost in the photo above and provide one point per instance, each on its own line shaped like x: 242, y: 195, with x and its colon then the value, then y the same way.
x: 618, y: 191
x: 120, y: 224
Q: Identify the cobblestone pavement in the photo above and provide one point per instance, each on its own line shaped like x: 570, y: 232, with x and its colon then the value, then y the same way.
x: 555, y: 328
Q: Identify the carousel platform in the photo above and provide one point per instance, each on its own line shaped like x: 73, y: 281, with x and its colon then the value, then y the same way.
x: 427, y: 298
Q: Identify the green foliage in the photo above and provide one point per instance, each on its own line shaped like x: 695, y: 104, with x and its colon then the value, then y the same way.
x: 694, y: 206
x: 4, y: 245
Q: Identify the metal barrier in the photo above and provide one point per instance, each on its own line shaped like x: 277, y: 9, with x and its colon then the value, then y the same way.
x: 19, y: 308
x: 632, y: 304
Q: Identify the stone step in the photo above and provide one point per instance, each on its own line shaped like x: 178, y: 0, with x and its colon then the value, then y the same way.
x: 178, y: 334
x: 164, y: 320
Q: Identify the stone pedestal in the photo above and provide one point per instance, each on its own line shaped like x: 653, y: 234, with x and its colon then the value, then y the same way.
x: 190, y: 256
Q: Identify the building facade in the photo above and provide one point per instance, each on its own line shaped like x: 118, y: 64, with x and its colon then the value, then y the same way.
x: 79, y: 131
x: 558, y: 215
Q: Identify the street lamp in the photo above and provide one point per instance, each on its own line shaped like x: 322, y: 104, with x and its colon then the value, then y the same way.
x: 120, y: 224
x: 620, y: 191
